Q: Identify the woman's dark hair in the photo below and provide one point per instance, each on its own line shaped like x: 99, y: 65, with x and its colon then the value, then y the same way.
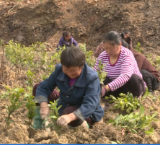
x: 72, y: 56
x: 66, y: 33
x: 124, y: 43
x: 113, y: 37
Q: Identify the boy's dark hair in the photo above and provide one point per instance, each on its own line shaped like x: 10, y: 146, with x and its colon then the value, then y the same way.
x: 113, y: 37
x: 66, y: 33
x: 124, y: 43
x: 72, y: 56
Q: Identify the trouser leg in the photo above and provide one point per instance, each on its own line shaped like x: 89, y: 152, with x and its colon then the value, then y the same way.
x: 135, y: 85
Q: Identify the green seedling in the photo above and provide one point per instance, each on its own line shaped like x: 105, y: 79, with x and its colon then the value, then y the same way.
x: 125, y: 102
x: 101, y: 73
x: 90, y: 59
x: 54, y: 114
x: 30, y: 104
x: 135, y: 121
x: 31, y: 76
x: 14, y: 97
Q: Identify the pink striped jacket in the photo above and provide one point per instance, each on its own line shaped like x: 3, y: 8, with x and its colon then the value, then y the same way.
x: 122, y: 70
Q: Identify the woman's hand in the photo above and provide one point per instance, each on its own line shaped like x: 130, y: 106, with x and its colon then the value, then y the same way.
x: 107, y: 88
x: 44, y: 110
x: 65, y: 119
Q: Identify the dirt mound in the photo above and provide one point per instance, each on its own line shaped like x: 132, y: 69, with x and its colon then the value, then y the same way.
x: 87, y: 20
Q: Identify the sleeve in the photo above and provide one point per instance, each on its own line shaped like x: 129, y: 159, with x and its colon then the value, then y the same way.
x: 75, y: 43
x: 90, y: 100
x: 127, y: 69
x: 45, y: 88
x: 60, y: 44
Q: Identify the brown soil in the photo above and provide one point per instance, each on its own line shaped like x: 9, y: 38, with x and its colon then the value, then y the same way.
x: 30, y: 21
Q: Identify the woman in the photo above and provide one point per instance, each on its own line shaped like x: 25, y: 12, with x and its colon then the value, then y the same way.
x: 79, y: 92
x: 149, y: 73
x: 67, y: 40
x: 121, y: 67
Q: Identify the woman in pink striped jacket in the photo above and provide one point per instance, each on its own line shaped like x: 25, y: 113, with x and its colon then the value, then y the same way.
x: 122, y: 73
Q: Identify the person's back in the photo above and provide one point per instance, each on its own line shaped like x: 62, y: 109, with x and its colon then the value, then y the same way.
x: 144, y: 63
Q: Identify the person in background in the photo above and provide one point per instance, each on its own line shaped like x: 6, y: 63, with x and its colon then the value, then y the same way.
x: 121, y: 67
x: 67, y: 40
x: 79, y: 92
x: 99, y: 49
x: 126, y: 35
x: 150, y: 75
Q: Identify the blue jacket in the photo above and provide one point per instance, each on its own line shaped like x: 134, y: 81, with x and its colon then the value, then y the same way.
x: 62, y: 42
x: 85, y: 93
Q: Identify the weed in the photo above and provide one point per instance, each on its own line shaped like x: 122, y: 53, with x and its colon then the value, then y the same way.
x: 31, y: 106
x: 101, y: 71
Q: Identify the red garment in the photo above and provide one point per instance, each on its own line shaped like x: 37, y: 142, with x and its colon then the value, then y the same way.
x: 143, y: 63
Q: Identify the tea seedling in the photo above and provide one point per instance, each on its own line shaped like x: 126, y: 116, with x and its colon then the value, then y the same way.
x: 31, y: 106
x: 135, y: 121
x: 31, y: 76
x: 14, y: 97
x: 54, y: 114
x: 101, y: 73
x: 125, y: 102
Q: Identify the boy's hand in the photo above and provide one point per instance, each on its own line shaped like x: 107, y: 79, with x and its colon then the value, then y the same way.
x: 65, y: 119
x: 44, y: 110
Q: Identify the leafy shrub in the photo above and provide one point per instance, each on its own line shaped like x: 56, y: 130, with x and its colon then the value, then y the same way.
x: 101, y: 73
x: 14, y: 97
x: 135, y: 121
x: 31, y: 106
x: 90, y: 59
x: 125, y: 102
x: 54, y: 114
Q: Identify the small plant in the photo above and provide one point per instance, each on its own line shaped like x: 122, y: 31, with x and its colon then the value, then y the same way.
x: 14, y: 97
x: 31, y: 76
x: 90, y: 59
x: 138, y: 47
x: 31, y: 106
x: 54, y: 114
x: 101, y: 73
x: 125, y: 102
x: 135, y: 121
